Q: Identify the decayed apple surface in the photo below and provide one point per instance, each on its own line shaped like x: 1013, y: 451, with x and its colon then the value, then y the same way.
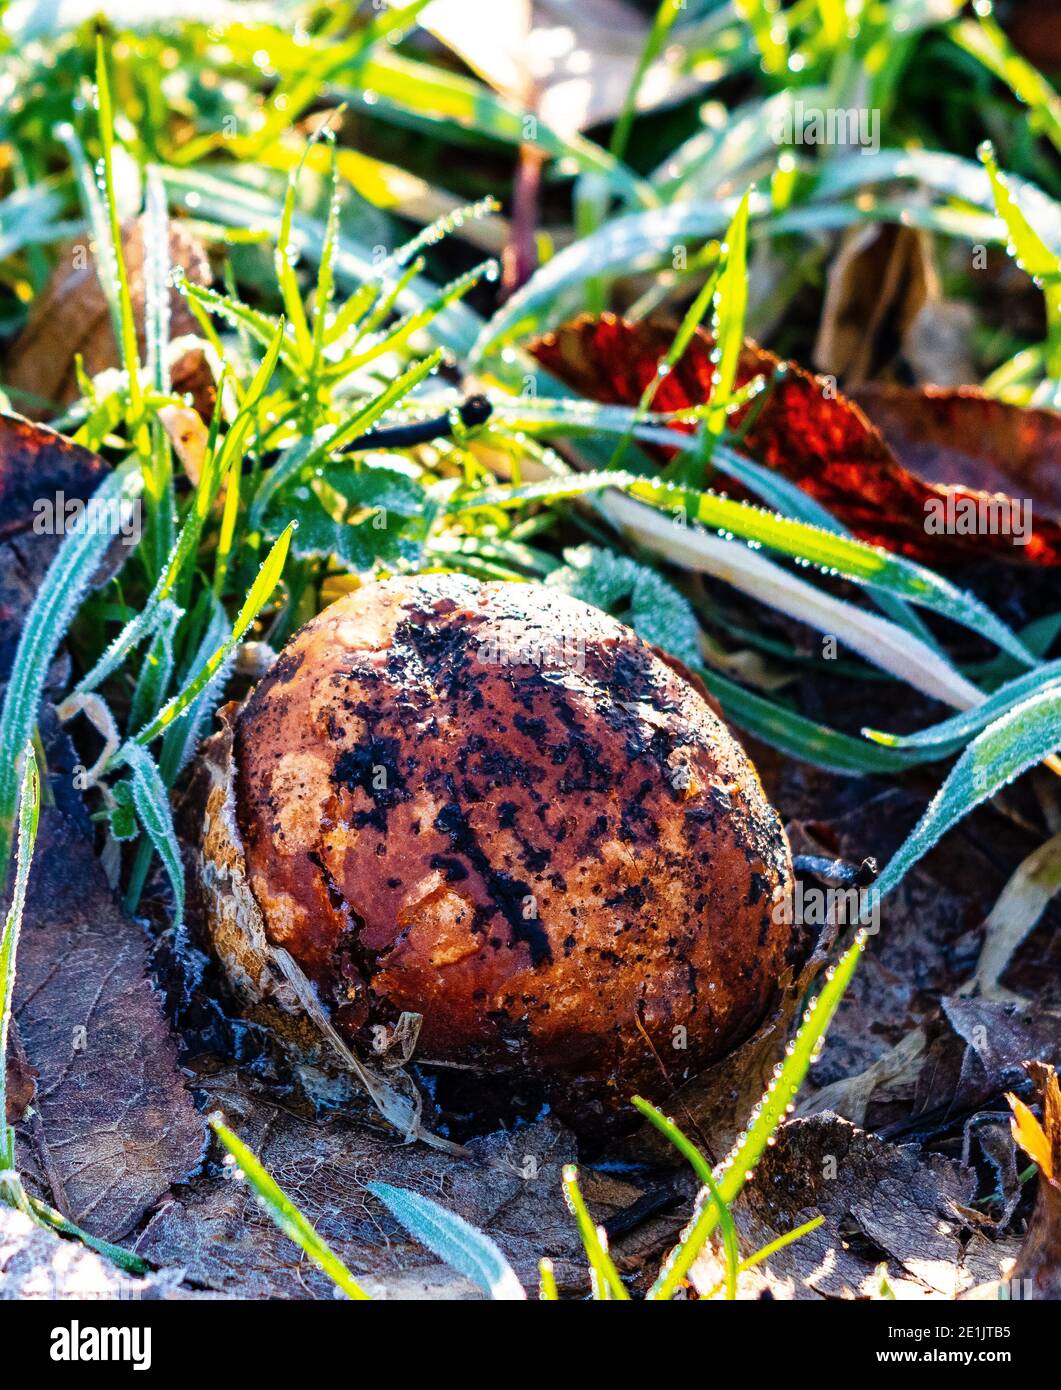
x: 495, y: 806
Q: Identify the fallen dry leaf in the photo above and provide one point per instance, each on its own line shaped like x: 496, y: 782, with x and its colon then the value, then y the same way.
x: 1020, y: 905
x: 879, y: 281
x: 72, y: 317
x: 117, y: 1125
x: 214, y: 1229
x: 881, y: 1202
x: 951, y: 453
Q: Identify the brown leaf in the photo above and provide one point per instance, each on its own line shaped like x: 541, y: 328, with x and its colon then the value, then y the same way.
x: 215, y: 1230
x: 879, y: 281
x: 826, y: 444
x: 72, y: 317
x: 959, y: 438
x: 118, y: 1124
x: 880, y: 1203
x: 21, y: 1087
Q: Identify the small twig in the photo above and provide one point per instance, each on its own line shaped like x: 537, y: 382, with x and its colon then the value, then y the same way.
x: 837, y: 873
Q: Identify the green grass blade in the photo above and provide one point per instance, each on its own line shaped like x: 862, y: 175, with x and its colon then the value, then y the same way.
x: 127, y: 343
x: 157, y: 269
x: 951, y: 734
x: 828, y: 551
x: 802, y: 738
x: 668, y: 12
x: 308, y: 453
x: 286, y: 1215
x: 151, y: 802
x: 1020, y: 739
x: 28, y: 815
x: 769, y: 26
x: 702, y: 1168
x: 263, y: 586
x: 787, y: 1079
x: 607, y: 1284
x: 729, y: 307
x: 986, y: 40
x: 51, y: 613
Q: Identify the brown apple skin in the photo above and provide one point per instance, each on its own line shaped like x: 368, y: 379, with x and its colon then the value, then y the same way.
x: 495, y: 806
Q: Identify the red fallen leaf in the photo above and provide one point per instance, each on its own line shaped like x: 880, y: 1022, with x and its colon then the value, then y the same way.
x: 883, y: 492
x: 35, y: 463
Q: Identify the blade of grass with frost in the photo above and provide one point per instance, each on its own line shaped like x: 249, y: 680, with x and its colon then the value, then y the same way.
x: 986, y: 40
x: 637, y: 242
x: 729, y: 307
x: 182, y: 737
x: 156, y: 669
x: 322, y: 298
x: 702, y: 1169
x: 717, y: 153
x: 401, y: 269
x: 286, y: 1216
x: 145, y: 622
x: 402, y: 331
x: 156, y: 280
x: 1017, y: 741
x: 385, y: 304
x: 800, y: 737
x: 127, y: 343
x: 1031, y: 253
x: 28, y: 814
x: 99, y: 222
x: 453, y: 1240
x: 607, y: 1283
x: 263, y: 586
x: 880, y: 642
x: 246, y: 418
x: 561, y: 416
x: 545, y: 490
x: 947, y: 174
x: 547, y: 1290
x: 769, y: 27
x: 227, y: 530
x: 426, y: 90
x: 229, y: 202
x: 292, y: 98
x: 151, y: 803
x: 843, y: 555
x: 689, y: 324
x: 311, y: 452
x: 261, y: 326
x: 951, y: 734
x: 285, y: 259
x: 668, y: 12
x: 788, y: 1076
x: 51, y: 613
x: 1020, y: 739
